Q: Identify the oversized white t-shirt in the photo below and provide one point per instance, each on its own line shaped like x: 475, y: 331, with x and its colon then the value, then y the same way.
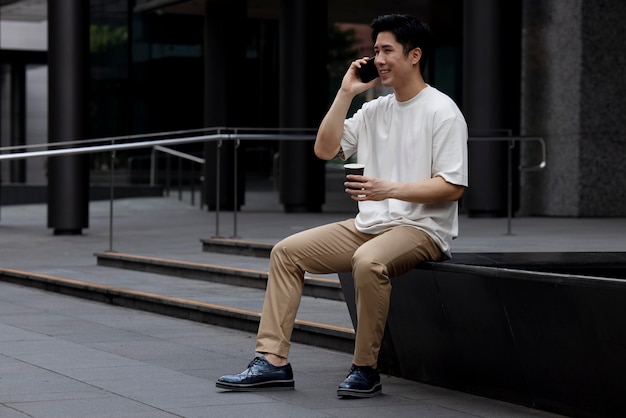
x: 410, y: 141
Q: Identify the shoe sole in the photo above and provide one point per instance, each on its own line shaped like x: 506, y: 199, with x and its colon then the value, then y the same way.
x: 355, y: 393
x: 273, y: 385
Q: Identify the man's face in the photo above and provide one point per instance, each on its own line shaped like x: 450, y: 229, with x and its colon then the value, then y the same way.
x: 394, y: 67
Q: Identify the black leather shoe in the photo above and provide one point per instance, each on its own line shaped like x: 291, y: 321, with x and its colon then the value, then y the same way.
x: 362, y: 382
x: 260, y: 375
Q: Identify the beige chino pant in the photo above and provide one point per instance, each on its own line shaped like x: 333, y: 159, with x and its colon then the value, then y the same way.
x: 340, y: 247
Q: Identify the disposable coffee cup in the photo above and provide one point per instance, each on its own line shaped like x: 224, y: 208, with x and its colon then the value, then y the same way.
x: 354, y: 168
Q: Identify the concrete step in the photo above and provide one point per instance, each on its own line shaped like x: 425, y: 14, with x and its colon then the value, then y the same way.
x: 317, y: 287
x: 237, y: 247
x: 321, y: 322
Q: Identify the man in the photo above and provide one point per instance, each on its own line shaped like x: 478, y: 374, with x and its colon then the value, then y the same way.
x: 414, y: 147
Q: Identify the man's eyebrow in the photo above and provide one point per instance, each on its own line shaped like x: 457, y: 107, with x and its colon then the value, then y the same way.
x: 383, y: 46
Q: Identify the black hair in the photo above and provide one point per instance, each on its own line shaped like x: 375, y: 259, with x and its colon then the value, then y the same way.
x: 408, y: 31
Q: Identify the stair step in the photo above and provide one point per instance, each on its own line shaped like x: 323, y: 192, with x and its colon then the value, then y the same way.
x: 237, y: 246
x: 126, y: 291
x: 313, y: 286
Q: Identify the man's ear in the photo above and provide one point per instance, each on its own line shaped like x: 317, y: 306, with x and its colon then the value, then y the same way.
x: 416, y: 55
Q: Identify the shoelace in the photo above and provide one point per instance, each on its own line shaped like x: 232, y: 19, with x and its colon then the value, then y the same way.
x: 255, y: 361
x: 362, y: 370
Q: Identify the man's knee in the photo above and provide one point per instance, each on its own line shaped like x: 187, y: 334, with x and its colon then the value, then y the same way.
x: 280, y: 250
x: 286, y: 251
x: 366, y: 268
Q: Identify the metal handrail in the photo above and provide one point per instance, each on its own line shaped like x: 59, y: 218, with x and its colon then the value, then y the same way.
x: 182, y: 155
x: 237, y: 135
x: 148, y: 144
x: 512, y: 140
x: 223, y: 133
x: 539, y: 139
x: 111, y: 139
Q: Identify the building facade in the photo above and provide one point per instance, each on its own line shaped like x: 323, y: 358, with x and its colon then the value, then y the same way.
x: 547, y: 69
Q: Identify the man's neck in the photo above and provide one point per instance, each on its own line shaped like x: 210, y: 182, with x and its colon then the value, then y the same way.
x: 410, y: 90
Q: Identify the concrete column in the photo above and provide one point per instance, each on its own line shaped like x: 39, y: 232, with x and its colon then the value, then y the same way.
x: 303, y: 101
x: 491, y: 91
x: 68, y: 54
x: 225, y: 97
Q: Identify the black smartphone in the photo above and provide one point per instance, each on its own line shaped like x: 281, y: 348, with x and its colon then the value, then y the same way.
x: 368, y: 72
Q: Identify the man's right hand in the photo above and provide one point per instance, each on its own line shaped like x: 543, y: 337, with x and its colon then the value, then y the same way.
x: 351, y: 83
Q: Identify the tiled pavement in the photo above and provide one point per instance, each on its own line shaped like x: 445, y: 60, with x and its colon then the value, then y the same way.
x: 66, y: 357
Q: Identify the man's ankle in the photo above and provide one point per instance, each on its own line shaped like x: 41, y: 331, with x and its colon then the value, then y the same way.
x: 275, y: 360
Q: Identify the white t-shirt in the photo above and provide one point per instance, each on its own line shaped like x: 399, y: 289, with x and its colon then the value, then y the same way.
x: 410, y: 141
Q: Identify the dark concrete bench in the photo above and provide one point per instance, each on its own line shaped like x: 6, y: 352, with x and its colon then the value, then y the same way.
x: 547, y: 330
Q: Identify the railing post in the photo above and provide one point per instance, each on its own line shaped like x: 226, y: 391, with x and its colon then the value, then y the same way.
x: 153, y: 167
x: 180, y: 179
x: 201, y: 205
x: 235, y: 186
x: 509, y: 187
x: 192, y: 183
x: 168, y: 174
x: 111, y: 198
x: 217, y: 188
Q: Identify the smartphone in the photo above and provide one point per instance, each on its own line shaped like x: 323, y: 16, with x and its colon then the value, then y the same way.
x: 368, y: 72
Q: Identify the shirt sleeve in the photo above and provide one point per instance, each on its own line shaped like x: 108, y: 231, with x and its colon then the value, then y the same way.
x: 450, y: 151
x: 350, y: 136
